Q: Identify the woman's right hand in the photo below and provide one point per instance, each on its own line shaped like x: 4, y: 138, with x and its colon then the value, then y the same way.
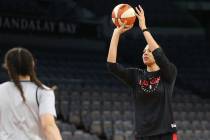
x: 122, y: 29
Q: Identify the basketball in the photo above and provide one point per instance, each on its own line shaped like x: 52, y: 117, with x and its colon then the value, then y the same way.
x: 123, y: 14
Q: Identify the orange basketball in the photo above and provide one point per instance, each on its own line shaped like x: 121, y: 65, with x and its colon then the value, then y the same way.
x: 123, y: 14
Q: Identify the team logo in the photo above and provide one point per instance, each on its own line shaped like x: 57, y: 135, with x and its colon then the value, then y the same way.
x: 149, y: 86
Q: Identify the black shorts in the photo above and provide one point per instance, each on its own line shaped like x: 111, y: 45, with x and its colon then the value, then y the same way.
x: 167, y: 136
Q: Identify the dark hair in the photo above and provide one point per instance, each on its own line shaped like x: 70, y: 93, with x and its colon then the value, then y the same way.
x: 19, y: 61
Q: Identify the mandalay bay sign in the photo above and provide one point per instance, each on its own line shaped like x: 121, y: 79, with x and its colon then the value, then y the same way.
x: 20, y: 24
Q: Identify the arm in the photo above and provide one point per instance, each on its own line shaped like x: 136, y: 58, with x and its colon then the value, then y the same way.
x: 47, y: 113
x: 112, y: 54
x: 168, y: 69
x: 147, y: 35
x: 117, y: 69
x: 49, y: 127
x: 124, y: 74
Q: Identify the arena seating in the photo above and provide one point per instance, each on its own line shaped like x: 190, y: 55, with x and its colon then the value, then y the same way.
x: 91, y: 103
x: 91, y: 99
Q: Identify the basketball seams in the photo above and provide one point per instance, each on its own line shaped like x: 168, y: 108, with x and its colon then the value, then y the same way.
x: 126, y: 14
x: 123, y: 8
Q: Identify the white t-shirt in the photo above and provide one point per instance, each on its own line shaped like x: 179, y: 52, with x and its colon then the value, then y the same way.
x: 18, y: 120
